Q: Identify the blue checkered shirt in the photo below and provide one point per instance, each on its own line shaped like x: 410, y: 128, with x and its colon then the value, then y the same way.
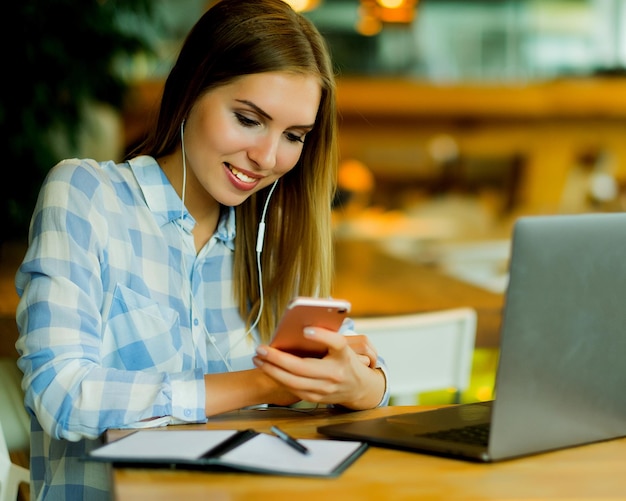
x: 109, y: 335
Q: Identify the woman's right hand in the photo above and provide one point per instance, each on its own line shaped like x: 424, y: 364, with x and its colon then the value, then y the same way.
x: 230, y: 391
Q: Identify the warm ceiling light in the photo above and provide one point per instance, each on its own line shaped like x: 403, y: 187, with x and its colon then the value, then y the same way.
x: 390, y: 4
x: 391, y: 11
x: 303, y: 5
x: 368, y: 25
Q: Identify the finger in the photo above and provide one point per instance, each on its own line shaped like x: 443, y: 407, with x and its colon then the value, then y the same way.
x: 288, y: 363
x: 333, y: 340
x: 363, y: 346
x: 312, y: 389
x: 365, y: 360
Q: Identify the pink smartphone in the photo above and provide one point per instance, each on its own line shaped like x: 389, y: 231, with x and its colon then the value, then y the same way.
x: 308, y: 311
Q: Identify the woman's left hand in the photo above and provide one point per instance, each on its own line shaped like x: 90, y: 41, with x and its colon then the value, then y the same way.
x: 346, y: 375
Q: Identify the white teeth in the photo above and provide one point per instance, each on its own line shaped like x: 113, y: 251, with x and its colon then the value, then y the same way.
x: 242, y: 176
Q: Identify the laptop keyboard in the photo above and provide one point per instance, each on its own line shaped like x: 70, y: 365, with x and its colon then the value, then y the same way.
x: 477, y: 434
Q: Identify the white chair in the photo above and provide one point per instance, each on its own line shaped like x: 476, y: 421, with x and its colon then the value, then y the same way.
x: 424, y: 351
x: 11, y: 475
x: 13, y: 415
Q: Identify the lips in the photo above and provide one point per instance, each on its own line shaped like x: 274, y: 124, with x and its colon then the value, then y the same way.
x: 240, y: 175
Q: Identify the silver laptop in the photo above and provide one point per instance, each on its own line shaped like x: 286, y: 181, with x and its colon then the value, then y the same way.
x: 561, y: 376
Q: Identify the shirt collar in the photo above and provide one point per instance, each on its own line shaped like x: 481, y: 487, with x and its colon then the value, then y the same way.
x: 163, y: 201
x: 226, y: 228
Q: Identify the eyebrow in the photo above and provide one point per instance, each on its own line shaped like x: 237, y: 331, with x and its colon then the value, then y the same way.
x: 266, y: 115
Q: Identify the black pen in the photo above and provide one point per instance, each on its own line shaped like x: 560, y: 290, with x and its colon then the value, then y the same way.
x: 289, y: 440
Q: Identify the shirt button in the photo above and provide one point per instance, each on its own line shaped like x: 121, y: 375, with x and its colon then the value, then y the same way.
x: 187, y: 413
x: 195, y: 322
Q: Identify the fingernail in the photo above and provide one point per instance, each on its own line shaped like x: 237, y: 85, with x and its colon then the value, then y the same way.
x: 261, y: 351
x: 309, y: 331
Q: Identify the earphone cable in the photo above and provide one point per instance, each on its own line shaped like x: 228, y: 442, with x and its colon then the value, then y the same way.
x: 260, y: 237
x: 259, y: 248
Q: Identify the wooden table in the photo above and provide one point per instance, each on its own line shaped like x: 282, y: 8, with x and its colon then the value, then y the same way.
x: 377, y: 283
x: 588, y: 472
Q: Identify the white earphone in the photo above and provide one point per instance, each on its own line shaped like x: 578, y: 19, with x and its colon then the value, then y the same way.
x: 259, y: 249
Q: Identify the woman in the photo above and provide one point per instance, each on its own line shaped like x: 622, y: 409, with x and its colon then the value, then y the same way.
x: 148, y: 293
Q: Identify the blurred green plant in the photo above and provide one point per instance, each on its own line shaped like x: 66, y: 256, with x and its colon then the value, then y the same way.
x: 59, y: 56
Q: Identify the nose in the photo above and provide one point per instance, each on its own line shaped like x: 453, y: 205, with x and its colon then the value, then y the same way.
x: 264, y: 151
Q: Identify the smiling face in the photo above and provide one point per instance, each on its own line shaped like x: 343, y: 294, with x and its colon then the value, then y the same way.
x: 241, y: 137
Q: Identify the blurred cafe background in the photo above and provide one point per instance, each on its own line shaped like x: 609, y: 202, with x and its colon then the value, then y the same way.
x: 456, y: 118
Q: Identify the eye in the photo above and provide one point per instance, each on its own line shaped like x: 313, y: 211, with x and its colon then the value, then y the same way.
x: 294, y: 138
x: 245, y: 121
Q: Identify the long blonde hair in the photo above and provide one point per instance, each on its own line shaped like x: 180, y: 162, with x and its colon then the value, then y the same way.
x: 241, y: 37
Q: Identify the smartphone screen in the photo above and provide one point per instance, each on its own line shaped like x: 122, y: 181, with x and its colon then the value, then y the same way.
x: 304, y: 312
